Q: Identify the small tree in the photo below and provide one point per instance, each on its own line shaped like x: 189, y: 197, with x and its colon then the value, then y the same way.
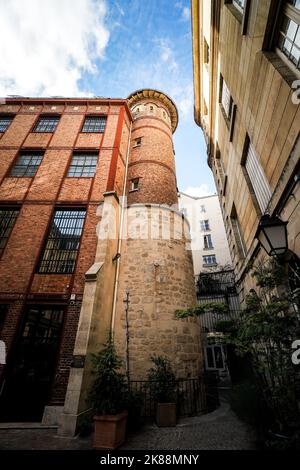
x: 162, y: 380
x: 108, y: 394
x: 265, y: 331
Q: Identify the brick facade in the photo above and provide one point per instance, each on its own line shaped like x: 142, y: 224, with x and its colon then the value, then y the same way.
x: 37, y: 197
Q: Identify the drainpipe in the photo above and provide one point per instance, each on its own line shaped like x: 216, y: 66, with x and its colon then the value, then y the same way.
x: 123, y: 207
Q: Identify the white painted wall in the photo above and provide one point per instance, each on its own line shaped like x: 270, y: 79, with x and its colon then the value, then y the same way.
x: 192, y: 207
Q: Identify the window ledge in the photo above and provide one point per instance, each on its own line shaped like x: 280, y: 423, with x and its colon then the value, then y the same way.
x: 236, y: 13
x: 208, y: 249
x: 281, y: 63
x: 133, y: 190
x: 209, y: 265
x: 136, y: 146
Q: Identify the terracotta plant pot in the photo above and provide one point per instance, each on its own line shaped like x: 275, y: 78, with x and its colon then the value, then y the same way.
x: 166, y: 414
x: 109, y: 431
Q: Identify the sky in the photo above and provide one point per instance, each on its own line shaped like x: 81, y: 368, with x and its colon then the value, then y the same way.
x: 107, y: 48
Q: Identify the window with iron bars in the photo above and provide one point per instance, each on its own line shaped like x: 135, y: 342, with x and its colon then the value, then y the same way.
x: 288, y: 41
x: 5, y: 122
x: 94, y: 124
x: 7, y: 221
x: 46, y: 124
x: 27, y: 164
x: 62, y: 244
x: 83, y: 165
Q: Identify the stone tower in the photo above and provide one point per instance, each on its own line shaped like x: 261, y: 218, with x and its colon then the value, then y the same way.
x: 156, y: 270
x: 146, y: 262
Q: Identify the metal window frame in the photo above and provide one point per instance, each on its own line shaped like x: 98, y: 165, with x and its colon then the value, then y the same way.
x: 26, y: 169
x: 8, y: 225
x: 46, y: 124
x: 77, y: 169
x: 91, y: 127
x: 8, y: 118
x: 57, y: 259
x: 293, y: 14
x: 212, y: 263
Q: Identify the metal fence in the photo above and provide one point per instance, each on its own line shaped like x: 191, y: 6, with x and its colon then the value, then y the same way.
x: 192, y: 396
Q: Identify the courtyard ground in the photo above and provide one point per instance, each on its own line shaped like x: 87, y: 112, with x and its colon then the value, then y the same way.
x: 218, y: 430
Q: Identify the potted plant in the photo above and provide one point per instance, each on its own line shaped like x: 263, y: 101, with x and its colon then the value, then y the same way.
x: 108, y: 396
x: 163, y: 389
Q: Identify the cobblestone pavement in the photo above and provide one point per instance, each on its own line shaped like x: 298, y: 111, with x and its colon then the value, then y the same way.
x: 214, y: 431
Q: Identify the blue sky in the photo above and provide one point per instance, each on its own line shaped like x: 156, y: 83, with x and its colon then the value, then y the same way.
x: 107, y: 48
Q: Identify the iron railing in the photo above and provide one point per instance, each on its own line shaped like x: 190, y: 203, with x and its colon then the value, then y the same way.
x: 190, y: 395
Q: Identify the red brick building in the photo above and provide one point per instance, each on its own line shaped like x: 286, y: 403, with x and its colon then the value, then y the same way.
x: 57, y: 158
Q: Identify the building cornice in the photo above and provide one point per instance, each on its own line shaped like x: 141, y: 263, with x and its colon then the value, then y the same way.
x: 195, y: 19
x: 145, y: 93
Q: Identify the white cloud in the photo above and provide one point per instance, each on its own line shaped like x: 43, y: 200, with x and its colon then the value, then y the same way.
x: 46, y: 45
x: 200, y: 191
x: 167, y: 55
x: 186, y: 13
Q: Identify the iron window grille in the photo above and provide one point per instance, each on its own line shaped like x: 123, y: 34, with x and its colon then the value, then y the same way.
x: 62, y: 244
x: 209, y: 260
x: 258, y: 180
x: 7, y: 221
x: 27, y: 164
x: 5, y: 122
x: 83, y: 165
x: 204, y: 225
x: 289, y: 32
x: 94, y: 124
x: 46, y: 124
x: 208, y: 244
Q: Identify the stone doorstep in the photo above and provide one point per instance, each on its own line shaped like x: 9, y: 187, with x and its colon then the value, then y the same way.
x: 25, y: 426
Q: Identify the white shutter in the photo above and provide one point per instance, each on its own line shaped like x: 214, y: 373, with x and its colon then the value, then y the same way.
x: 258, y: 179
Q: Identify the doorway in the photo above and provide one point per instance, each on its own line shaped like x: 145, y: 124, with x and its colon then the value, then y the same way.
x: 30, y: 372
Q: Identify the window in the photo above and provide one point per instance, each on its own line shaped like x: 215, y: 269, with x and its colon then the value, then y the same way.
x: 289, y: 32
x: 257, y: 179
x: 46, y: 124
x: 5, y: 121
x: 164, y: 115
x: 226, y: 99
x: 208, y: 244
x: 204, y: 225
x: 83, y: 165
x: 239, y: 4
x: 205, y: 52
x: 135, y: 184
x: 202, y: 208
x: 27, y: 164
x: 94, y: 124
x: 151, y: 109
x: 3, y: 313
x: 215, y: 357
x: 209, y: 260
x: 239, y: 240
x: 62, y: 244
x: 137, y: 142
x: 7, y: 221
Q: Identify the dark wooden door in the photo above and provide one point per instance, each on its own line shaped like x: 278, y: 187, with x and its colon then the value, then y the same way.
x: 30, y: 372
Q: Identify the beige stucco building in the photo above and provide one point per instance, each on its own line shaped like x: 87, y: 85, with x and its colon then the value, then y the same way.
x: 209, y: 244
x: 246, y: 63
